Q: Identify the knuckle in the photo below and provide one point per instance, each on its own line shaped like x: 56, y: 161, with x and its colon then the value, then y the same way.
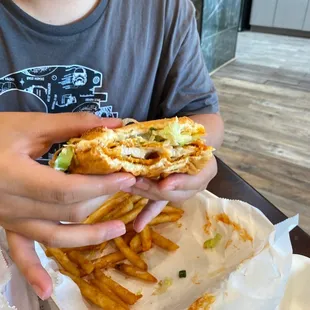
x: 74, y: 213
x: 86, y: 117
x: 63, y: 195
x: 51, y: 240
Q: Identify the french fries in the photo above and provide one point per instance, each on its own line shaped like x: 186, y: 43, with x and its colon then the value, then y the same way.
x: 88, y: 248
x: 109, y: 260
x: 96, y: 286
x: 126, y: 206
x: 129, y: 236
x: 146, y: 238
x: 94, y: 295
x: 64, y: 261
x: 108, y: 206
x: 136, y: 272
x: 163, y: 242
x: 165, y: 218
x: 124, y: 294
x: 129, y: 227
x: 87, y: 266
x: 130, y: 216
x: 170, y: 209
x: 135, y: 242
x: 108, y: 292
x: 133, y: 257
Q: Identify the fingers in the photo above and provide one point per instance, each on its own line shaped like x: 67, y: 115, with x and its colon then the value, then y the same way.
x: 16, y: 207
x: 151, y: 193
x: 30, y: 179
x: 151, y: 190
x: 152, y: 209
x: 61, y: 235
x: 23, y: 254
x: 190, y: 182
x: 63, y: 126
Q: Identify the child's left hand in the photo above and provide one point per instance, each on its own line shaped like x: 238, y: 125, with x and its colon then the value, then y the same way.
x: 175, y: 188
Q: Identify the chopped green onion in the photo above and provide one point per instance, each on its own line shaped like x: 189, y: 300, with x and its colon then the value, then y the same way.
x: 182, y: 274
x: 212, y: 243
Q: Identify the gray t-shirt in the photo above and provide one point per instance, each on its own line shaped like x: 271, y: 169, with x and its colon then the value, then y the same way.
x: 128, y: 58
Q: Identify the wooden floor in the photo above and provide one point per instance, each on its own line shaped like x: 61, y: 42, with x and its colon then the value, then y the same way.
x: 265, y: 102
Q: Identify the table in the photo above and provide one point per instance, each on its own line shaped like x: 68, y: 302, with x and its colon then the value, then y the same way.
x: 228, y: 184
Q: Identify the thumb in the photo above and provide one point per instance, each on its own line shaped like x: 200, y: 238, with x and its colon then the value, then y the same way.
x: 61, y: 127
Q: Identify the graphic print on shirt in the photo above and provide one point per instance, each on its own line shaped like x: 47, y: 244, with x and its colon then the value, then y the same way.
x: 71, y: 88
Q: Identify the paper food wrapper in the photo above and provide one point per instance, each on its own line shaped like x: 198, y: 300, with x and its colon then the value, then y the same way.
x: 248, y: 269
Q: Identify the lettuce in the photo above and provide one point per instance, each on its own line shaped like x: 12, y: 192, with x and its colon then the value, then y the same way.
x: 63, y: 160
x: 212, y: 243
x: 173, y: 134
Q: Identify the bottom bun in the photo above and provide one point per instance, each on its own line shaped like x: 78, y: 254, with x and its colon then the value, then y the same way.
x: 97, y: 163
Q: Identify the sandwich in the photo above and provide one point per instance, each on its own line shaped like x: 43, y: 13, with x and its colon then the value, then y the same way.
x: 152, y: 149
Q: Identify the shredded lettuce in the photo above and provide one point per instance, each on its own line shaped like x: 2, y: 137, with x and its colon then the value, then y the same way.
x: 172, y: 133
x: 212, y: 243
x: 63, y: 161
x: 163, y: 286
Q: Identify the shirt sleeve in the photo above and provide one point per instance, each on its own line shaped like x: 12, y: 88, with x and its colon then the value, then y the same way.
x: 188, y: 88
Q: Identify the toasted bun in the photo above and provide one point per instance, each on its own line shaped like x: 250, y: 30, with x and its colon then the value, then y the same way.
x: 104, y: 151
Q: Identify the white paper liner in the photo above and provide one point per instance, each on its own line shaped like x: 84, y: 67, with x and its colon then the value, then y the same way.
x: 246, y: 275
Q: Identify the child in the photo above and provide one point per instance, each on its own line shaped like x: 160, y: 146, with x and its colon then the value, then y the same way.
x: 115, y: 59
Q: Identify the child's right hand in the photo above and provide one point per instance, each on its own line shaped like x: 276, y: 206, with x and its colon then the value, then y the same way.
x: 35, y: 198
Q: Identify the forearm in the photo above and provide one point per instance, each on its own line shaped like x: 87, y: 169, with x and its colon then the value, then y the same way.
x: 214, y: 126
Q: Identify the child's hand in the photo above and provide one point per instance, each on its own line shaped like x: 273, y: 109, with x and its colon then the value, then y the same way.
x: 36, y: 198
x: 175, y: 188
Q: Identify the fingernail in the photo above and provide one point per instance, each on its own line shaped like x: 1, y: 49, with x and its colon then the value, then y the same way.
x: 126, y: 183
x: 118, y: 230
x: 41, y: 294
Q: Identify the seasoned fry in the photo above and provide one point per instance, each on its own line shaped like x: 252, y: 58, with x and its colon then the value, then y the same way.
x: 146, y: 238
x: 170, y: 209
x: 130, y: 216
x: 129, y: 236
x: 163, y: 242
x: 108, y: 206
x: 111, y: 259
x: 98, y: 247
x: 129, y: 227
x: 81, y: 261
x: 165, y: 218
x: 64, y: 261
x: 141, y: 202
x: 108, y: 260
x: 135, y: 242
x: 102, y: 246
x: 108, y: 292
x: 122, y: 209
x: 80, y: 249
x: 135, y: 272
x: 124, y: 294
x: 94, y: 294
x: 132, y: 256
x: 126, y: 206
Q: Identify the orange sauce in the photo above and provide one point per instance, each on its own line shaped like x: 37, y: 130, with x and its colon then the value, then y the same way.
x: 244, y: 235
x: 207, y: 226
x: 203, y: 303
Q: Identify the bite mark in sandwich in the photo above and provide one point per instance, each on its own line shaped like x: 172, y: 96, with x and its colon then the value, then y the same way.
x: 151, y: 149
